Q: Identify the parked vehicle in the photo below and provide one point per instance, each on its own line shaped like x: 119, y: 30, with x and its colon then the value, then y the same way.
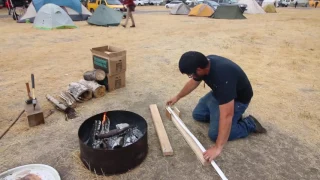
x: 114, y: 4
x: 243, y: 7
x: 214, y: 5
x: 172, y: 4
x: 283, y: 3
x: 312, y: 3
x: 139, y: 2
x: 155, y: 2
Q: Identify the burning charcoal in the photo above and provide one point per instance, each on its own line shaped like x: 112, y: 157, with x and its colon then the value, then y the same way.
x: 105, y: 128
x: 129, y: 138
x: 122, y: 125
x: 103, y: 144
x: 118, y: 143
x: 96, y: 144
x: 97, y: 127
x: 127, y: 141
x: 111, y: 141
x: 136, y: 132
x: 97, y: 130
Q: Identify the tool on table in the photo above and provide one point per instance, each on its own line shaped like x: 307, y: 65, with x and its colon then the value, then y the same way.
x: 29, y: 101
x: 34, y: 101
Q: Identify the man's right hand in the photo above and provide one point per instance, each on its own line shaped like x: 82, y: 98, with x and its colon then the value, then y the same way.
x: 173, y: 101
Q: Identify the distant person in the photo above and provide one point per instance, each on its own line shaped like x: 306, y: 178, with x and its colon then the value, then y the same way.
x: 130, y: 8
x: 8, y: 5
x: 296, y: 4
x: 316, y: 4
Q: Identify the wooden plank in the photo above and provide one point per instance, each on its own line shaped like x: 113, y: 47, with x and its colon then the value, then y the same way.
x: 176, y: 110
x: 196, y: 141
x: 161, y: 132
x: 196, y: 149
x: 168, y: 115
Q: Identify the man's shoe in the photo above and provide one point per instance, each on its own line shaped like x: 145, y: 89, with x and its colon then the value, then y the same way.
x: 133, y: 26
x: 259, y: 128
x: 123, y: 25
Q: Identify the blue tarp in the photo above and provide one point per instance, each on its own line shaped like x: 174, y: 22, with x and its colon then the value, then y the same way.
x: 73, y: 4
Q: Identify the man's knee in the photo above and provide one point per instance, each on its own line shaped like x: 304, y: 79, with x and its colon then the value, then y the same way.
x: 196, y: 116
x: 213, y: 135
x: 200, y: 117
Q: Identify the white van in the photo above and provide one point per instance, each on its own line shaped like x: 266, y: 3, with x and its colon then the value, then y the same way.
x: 283, y: 3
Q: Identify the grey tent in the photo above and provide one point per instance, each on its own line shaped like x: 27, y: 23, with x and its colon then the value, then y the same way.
x: 180, y: 9
x: 252, y: 7
x: 105, y: 16
x: 228, y: 12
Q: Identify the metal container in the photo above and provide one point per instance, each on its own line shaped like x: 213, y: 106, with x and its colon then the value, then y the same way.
x: 106, y: 162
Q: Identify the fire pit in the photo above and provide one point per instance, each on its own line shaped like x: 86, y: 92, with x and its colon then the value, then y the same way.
x: 120, y: 145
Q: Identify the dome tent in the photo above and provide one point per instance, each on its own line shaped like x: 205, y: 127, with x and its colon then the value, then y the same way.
x: 51, y: 16
x: 74, y: 14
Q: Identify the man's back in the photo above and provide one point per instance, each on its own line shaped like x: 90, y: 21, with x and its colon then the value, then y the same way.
x: 228, y: 81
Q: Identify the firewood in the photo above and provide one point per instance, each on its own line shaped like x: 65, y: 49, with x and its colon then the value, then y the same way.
x: 94, y: 75
x: 80, y: 92
x: 97, y: 89
x: 69, y: 111
x: 56, y: 102
x: 68, y: 98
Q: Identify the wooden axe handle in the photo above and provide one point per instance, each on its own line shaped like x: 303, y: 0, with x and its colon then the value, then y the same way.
x: 28, y: 90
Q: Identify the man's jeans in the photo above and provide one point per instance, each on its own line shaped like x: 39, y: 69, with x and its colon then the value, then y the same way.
x: 207, y: 110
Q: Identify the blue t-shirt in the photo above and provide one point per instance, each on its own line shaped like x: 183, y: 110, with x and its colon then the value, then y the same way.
x: 228, y: 81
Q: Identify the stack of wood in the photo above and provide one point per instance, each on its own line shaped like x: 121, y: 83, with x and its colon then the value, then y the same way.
x: 87, y: 87
x: 81, y: 91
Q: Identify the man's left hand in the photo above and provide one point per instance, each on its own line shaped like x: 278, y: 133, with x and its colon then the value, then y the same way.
x: 212, y: 153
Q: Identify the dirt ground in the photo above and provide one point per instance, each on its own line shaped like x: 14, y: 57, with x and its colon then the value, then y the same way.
x: 279, y: 52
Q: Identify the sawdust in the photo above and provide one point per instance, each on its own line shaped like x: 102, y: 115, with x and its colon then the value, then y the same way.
x: 279, y: 52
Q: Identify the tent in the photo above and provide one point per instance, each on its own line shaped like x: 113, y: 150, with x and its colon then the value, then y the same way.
x: 73, y: 4
x: 180, y: 9
x: 105, y: 16
x: 252, y: 7
x: 267, y: 2
x: 75, y: 16
x: 51, y: 16
x: 228, y: 12
x: 270, y: 8
x: 201, y: 10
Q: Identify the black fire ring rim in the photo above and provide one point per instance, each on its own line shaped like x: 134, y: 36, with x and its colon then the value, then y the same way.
x: 90, y: 155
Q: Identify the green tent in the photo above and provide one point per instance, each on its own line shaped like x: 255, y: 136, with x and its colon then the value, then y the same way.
x: 228, y: 12
x: 105, y: 16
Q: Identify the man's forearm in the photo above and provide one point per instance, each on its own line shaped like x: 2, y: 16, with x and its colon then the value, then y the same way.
x: 225, y: 124
x: 188, y: 88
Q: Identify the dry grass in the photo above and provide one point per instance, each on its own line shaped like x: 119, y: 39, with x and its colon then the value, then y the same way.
x: 279, y: 53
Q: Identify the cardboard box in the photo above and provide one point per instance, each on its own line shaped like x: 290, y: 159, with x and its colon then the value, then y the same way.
x: 110, y: 59
x: 114, y: 82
